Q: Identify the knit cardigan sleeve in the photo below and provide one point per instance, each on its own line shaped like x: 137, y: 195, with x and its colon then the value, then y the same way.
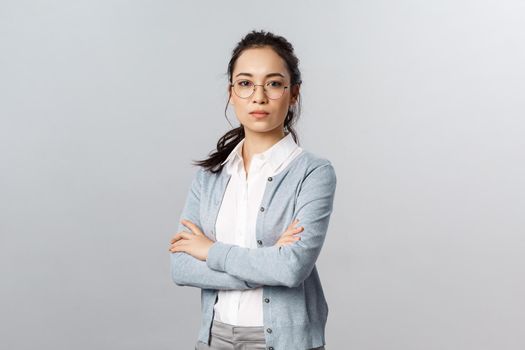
x: 189, y: 271
x: 291, y: 264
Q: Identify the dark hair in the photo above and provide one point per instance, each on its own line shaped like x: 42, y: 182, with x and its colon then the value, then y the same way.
x: 285, y: 50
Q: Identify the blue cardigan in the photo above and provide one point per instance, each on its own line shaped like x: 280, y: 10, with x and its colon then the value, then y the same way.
x: 294, y: 308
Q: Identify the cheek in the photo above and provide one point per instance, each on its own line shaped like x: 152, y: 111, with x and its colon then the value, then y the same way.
x: 240, y: 108
x: 238, y: 102
x: 283, y: 109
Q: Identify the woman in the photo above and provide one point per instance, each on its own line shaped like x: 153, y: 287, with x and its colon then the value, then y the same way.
x: 259, y: 285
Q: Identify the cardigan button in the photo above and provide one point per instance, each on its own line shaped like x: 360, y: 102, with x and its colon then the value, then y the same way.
x: 259, y: 242
x: 270, y: 178
x: 262, y: 208
x: 270, y: 348
x: 269, y: 330
x: 266, y: 300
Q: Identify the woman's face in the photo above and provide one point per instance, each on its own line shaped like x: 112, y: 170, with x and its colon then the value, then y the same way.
x: 256, y: 64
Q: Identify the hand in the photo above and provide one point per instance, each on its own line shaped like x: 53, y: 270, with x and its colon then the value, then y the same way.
x: 288, y: 236
x: 196, y: 243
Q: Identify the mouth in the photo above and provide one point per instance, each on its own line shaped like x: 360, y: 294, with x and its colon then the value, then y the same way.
x: 259, y: 115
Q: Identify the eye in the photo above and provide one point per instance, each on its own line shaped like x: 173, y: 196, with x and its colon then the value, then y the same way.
x: 274, y: 83
x: 245, y: 83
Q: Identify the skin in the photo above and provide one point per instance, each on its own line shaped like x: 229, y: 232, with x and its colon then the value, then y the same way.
x: 260, y: 134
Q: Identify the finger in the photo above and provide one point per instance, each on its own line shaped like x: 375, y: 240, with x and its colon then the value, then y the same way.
x: 194, y: 228
x: 177, y: 249
x: 290, y: 240
x: 181, y: 235
x: 287, y: 233
x: 180, y: 243
x: 177, y: 236
x: 293, y: 223
x: 285, y: 242
x: 292, y: 232
x: 298, y: 230
x: 178, y: 246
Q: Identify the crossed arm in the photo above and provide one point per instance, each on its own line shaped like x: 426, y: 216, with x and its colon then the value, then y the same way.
x: 232, y: 267
x: 187, y: 270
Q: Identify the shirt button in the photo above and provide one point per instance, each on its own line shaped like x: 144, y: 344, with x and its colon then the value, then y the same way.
x: 266, y: 300
x: 270, y: 348
x: 259, y: 242
x: 269, y: 330
x: 262, y: 209
x: 270, y: 178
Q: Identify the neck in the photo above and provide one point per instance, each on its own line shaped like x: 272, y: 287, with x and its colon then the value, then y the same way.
x: 258, y: 142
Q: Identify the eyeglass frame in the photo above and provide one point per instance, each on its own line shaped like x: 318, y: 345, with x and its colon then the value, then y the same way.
x: 254, y: 85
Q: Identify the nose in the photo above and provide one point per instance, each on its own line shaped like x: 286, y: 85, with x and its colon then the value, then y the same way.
x: 259, y: 96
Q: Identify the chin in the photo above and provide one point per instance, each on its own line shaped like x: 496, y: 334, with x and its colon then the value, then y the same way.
x: 260, y: 127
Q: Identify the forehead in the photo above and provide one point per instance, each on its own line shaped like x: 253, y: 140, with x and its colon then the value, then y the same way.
x: 259, y: 62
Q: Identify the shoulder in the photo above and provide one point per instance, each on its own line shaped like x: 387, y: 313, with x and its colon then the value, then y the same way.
x: 316, y: 178
x: 316, y: 166
x: 313, y: 160
x: 206, y: 178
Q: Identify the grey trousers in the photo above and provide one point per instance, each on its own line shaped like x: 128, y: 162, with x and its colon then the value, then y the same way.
x: 229, y: 337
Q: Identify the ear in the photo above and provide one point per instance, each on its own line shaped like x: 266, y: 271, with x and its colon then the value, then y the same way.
x: 229, y: 91
x: 295, y: 94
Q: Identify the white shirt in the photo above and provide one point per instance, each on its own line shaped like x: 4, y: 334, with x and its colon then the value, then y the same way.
x: 236, y: 222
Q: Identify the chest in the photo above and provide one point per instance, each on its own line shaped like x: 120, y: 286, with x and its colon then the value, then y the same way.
x: 237, y: 216
x: 264, y: 206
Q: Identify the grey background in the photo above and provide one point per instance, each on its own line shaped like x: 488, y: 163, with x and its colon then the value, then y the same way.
x: 419, y: 105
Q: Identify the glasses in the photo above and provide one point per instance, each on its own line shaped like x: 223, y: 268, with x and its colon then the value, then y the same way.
x: 245, y: 88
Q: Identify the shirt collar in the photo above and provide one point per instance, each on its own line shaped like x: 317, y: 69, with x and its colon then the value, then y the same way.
x: 235, y: 153
x: 275, y: 155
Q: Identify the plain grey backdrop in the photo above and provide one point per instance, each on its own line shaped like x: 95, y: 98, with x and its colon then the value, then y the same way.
x: 418, y: 104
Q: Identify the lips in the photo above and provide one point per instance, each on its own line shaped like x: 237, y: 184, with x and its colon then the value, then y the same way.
x: 259, y: 114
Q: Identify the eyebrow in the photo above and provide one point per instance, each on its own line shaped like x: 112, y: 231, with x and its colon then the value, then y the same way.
x: 267, y: 75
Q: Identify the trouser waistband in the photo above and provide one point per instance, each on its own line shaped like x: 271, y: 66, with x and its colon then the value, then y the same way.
x: 237, y: 333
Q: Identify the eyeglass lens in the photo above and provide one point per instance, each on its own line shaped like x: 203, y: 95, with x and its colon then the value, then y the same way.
x: 245, y: 88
